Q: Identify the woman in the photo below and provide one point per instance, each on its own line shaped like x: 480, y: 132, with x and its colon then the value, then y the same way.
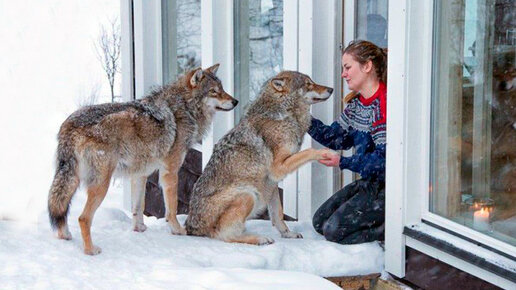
x: 356, y: 213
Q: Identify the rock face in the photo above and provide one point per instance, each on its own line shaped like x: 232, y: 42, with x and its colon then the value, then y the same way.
x: 265, y: 42
x: 265, y: 39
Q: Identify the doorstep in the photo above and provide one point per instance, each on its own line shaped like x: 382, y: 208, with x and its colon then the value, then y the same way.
x: 355, y: 282
x: 364, y: 282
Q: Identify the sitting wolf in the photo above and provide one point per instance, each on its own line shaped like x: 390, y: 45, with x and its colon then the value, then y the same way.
x: 248, y: 162
x: 135, y: 138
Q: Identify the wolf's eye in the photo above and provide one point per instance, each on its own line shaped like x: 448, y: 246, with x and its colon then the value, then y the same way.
x: 213, y: 92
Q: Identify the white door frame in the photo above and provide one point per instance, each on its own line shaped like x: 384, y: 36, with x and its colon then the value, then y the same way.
x: 141, y: 47
x: 408, y: 151
x: 396, y: 173
x: 290, y: 62
x: 141, y: 55
x: 217, y: 47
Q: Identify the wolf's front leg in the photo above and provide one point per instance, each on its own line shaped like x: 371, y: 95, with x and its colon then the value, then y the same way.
x: 169, y: 179
x: 284, y: 162
x: 138, y: 202
x: 276, y: 214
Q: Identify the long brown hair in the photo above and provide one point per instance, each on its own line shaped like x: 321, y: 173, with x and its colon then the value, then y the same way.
x: 364, y: 51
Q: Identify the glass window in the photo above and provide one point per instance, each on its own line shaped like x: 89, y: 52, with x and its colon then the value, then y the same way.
x: 371, y: 21
x: 371, y: 18
x: 258, y: 47
x: 473, y: 149
x: 181, y: 29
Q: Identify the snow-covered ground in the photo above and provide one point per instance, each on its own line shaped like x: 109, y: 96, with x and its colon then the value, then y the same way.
x: 48, y: 67
x: 33, y: 258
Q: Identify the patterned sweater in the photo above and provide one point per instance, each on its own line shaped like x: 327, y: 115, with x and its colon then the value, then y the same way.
x: 362, y: 125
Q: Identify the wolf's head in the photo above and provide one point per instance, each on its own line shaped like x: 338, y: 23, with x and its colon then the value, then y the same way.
x: 298, y: 87
x: 205, y: 86
x: 289, y: 93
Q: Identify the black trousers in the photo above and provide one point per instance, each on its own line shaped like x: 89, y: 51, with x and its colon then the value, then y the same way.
x: 354, y: 214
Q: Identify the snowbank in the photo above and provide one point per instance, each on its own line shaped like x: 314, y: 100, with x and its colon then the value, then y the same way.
x: 32, y: 257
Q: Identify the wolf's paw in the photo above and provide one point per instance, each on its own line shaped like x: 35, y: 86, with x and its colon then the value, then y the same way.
x: 264, y: 241
x: 64, y: 235
x: 178, y: 230
x: 94, y: 250
x: 139, y: 227
x: 291, y: 235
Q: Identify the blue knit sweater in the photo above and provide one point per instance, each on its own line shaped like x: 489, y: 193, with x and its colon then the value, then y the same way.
x: 362, y: 125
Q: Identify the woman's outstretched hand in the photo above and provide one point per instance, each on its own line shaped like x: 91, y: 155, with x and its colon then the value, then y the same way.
x: 330, y: 158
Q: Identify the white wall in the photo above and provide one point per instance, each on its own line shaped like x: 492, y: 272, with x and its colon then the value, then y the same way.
x: 47, y: 61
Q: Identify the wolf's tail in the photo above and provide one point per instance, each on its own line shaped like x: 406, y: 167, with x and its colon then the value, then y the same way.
x: 66, y: 181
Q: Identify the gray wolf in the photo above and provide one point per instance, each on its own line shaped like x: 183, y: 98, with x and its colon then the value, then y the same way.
x: 242, y: 176
x: 134, y: 138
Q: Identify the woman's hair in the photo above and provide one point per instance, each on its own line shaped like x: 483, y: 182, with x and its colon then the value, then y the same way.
x: 363, y: 51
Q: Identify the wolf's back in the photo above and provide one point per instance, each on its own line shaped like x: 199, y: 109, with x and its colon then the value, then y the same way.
x: 92, y: 115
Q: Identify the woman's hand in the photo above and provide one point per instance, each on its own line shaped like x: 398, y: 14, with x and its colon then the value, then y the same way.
x: 329, y: 158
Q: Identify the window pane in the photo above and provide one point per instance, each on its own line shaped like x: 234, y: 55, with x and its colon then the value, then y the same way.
x: 258, y: 47
x: 473, y: 176
x: 181, y: 26
x: 372, y: 21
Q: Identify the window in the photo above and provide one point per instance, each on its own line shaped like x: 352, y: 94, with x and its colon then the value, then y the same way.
x: 473, y: 135
x: 181, y: 29
x: 372, y: 21
x: 258, y: 47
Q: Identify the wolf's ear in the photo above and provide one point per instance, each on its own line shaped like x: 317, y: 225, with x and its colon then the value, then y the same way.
x: 196, y: 77
x: 213, y: 69
x: 278, y: 84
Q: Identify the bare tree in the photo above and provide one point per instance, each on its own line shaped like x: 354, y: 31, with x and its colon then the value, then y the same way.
x: 108, y: 51
x: 88, y: 98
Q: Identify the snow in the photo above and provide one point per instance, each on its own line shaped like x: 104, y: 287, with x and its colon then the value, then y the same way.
x: 33, y: 258
x: 46, y: 70
x: 47, y: 65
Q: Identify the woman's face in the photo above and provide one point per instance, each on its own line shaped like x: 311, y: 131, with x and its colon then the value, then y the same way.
x: 354, y: 73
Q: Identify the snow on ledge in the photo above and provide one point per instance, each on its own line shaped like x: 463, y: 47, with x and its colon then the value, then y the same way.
x: 33, y: 257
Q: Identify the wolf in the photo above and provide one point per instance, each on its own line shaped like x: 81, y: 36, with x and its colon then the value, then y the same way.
x: 135, y: 139
x: 242, y: 176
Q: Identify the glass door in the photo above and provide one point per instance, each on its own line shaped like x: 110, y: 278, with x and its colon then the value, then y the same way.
x: 258, y: 42
x: 371, y: 21
x: 181, y: 37
x: 366, y: 20
x: 473, y: 151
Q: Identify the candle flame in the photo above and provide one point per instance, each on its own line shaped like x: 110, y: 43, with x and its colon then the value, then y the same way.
x: 483, y: 211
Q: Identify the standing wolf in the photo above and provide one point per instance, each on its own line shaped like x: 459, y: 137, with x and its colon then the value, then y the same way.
x: 242, y: 175
x: 135, y: 138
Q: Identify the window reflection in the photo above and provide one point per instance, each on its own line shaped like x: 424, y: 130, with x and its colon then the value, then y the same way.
x: 474, y: 116
x: 181, y: 37
x: 372, y: 16
x: 258, y: 47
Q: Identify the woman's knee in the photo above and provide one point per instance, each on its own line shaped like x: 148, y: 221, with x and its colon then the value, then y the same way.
x: 334, y: 232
